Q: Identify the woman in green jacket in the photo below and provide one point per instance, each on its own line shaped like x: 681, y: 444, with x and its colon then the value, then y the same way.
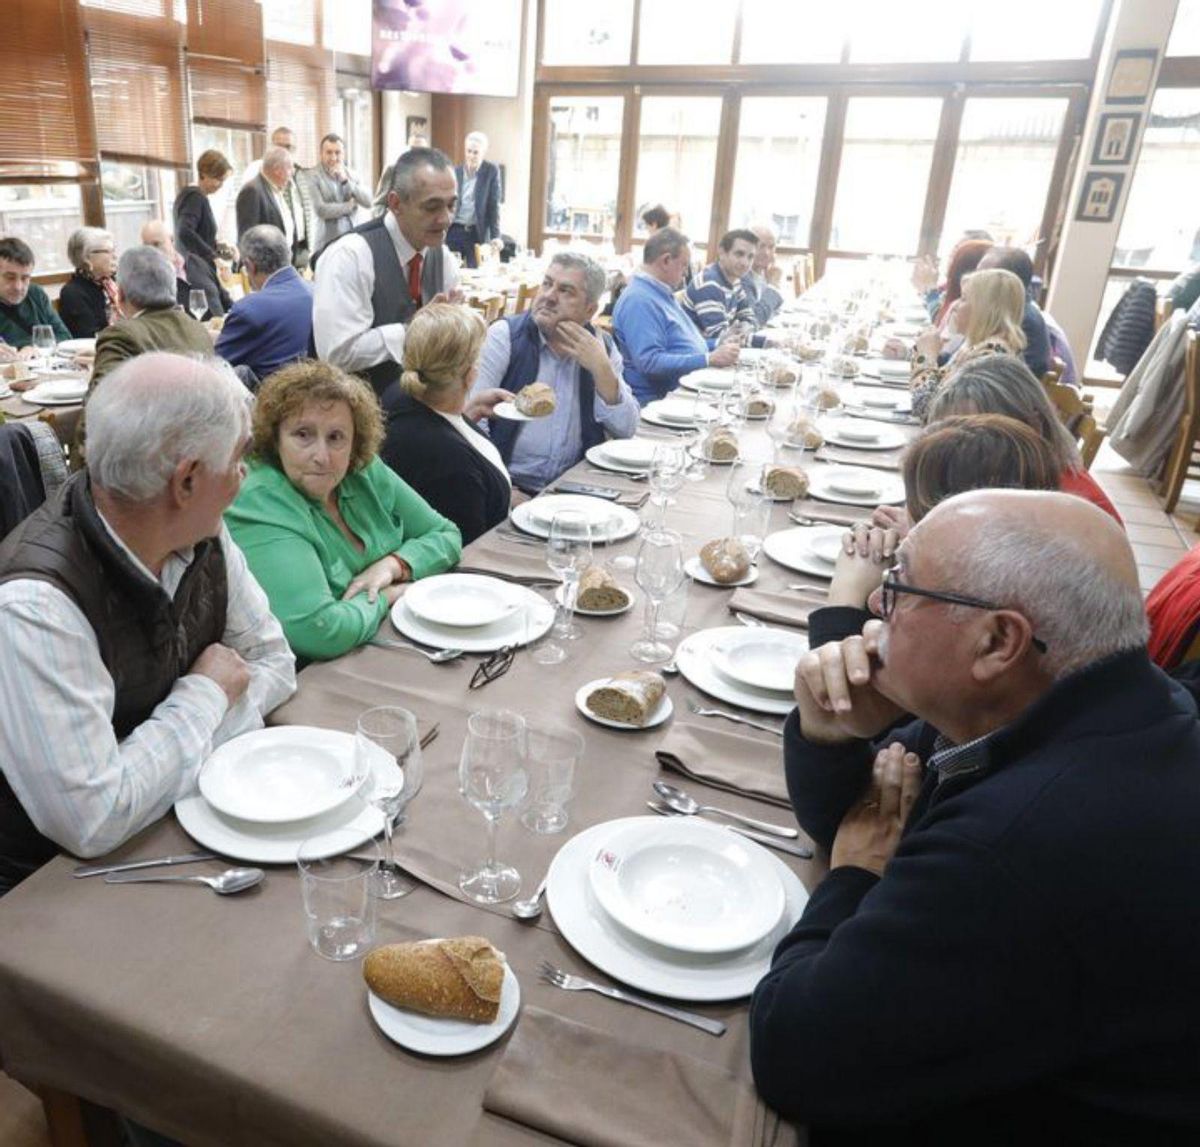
x: 330, y: 532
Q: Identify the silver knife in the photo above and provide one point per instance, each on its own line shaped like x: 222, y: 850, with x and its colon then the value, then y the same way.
x: 761, y: 837
x: 181, y: 858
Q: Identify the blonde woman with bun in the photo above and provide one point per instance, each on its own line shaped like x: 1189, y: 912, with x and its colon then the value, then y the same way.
x: 431, y: 440
x: 988, y: 315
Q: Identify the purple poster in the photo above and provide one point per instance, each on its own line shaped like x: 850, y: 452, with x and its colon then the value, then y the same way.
x: 469, y: 46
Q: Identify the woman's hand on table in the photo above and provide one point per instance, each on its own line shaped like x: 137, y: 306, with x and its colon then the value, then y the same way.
x: 388, y: 570
x: 866, y: 552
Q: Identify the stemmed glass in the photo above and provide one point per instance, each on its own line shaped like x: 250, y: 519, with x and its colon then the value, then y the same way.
x: 492, y: 778
x: 197, y: 303
x: 44, y: 342
x: 659, y: 574
x: 388, y: 749
x: 568, y: 554
x: 667, y: 468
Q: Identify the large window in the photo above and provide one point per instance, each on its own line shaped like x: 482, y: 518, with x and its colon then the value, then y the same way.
x: 885, y: 31
x: 686, y: 31
x: 238, y: 147
x: 803, y: 31
x: 133, y: 195
x: 354, y: 121
x: 584, y: 165
x: 44, y: 215
x: 593, y: 34
x: 1033, y: 29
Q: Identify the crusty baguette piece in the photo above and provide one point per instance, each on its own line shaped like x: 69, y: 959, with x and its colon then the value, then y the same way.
x: 598, y: 590
x: 720, y: 445
x: 628, y: 697
x: 783, y: 375
x: 759, y: 407
x: 843, y: 366
x: 459, y: 978
x: 785, y: 482
x: 807, y: 352
x: 725, y: 559
x: 535, y: 400
x: 802, y: 431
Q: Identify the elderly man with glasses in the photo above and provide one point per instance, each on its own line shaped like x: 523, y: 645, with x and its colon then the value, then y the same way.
x: 1008, y: 791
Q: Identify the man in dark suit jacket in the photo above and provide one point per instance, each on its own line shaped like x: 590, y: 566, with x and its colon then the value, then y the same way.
x: 477, y: 219
x: 271, y: 327
x: 273, y: 199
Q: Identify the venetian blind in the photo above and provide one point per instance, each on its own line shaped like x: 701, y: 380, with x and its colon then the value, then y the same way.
x: 45, y: 116
x: 300, y: 95
x: 226, y: 94
x: 230, y: 29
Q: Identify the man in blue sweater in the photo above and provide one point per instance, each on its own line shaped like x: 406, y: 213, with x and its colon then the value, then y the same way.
x: 1004, y: 949
x: 658, y: 342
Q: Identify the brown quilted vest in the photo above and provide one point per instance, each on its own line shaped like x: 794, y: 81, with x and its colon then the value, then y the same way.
x: 147, y: 640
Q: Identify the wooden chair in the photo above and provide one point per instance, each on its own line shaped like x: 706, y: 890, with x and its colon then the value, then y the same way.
x: 490, y: 306
x: 1182, y: 462
x: 1162, y: 310
x: 1077, y: 416
x: 525, y: 293
x: 603, y: 323
x: 56, y: 303
x: 804, y: 273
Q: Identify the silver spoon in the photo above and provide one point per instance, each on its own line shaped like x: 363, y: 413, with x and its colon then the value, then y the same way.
x: 436, y: 657
x: 530, y: 909
x: 224, y: 883
x: 689, y: 806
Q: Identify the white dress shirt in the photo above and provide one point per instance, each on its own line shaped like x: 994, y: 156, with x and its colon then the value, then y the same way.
x: 81, y: 787
x: 342, y: 312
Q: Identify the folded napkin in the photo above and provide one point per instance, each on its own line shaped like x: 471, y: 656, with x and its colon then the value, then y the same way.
x: 733, y: 761
x: 588, y: 1087
x: 786, y: 607
x: 493, y: 554
x: 873, y: 460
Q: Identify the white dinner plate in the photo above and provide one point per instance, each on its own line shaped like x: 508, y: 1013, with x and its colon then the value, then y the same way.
x: 694, y: 568
x: 273, y: 776
x: 710, y: 377
x: 509, y: 410
x: 876, y: 398
x: 695, y: 662
x: 30, y: 396
x: 804, y: 548
x: 462, y: 600
x: 430, y: 1035
x: 687, y: 886
x: 862, y: 434
x: 55, y: 392
x: 609, y: 522
x: 761, y: 657
x: 661, y: 711
x: 648, y: 967
x: 543, y: 508
x: 532, y: 618
x: 631, y: 453
x: 677, y: 413
x: 890, y: 370
x: 6, y: 391
x: 855, y: 486
x: 558, y: 597
x: 76, y: 346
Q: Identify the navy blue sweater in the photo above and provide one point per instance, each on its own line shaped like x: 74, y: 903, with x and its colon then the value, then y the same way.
x: 1027, y: 970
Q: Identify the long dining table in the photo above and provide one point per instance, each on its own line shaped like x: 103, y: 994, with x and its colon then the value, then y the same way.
x: 212, y: 1020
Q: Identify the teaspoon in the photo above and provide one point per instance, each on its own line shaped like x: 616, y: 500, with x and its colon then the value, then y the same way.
x: 689, y: 806
x: 530, y: 909
x: 224, y: 883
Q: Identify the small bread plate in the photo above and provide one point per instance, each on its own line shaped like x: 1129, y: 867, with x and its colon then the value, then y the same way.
x: 272, y: 776
x: 558, y: 597
x: 606, y: 521
x: 57, y: 392
x: 661, y: 711
x: 635, y: 961
x: 688, y: 886
x: 694, y: 657
x: 509, y: 410
x: 694, y: 568
x: 431, y: 1035
x: 806, y: 549
x: 677, y: 413
x: 697, y: 451
x: 855, y: 486
x: 462, y: 600
x: 761, y: 657
x: 623, y: 454
x: 531, y: 618
x: 862, y: 434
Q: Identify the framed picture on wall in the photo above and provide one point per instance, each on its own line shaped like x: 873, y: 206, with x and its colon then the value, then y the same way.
x: 1132, y: 76
x: 1100, y: 196
x: 1115, y: 138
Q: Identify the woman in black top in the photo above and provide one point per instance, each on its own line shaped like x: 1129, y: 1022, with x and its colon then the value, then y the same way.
x: 196, y: 226
x: 88, y: 301
x: 429, y: 442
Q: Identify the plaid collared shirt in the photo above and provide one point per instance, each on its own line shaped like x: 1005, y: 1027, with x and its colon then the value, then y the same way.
x: 949, y: 760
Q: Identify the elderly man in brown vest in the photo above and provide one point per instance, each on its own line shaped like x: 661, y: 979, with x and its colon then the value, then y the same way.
x: 372, y: 280
x: 133, y: 639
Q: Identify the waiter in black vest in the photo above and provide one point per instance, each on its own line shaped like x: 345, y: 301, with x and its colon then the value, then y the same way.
x: 372, y: 280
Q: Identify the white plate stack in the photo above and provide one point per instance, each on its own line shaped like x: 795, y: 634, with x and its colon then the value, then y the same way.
x: 607, y: 522
x: 623, y: 454
x: 749, y: 666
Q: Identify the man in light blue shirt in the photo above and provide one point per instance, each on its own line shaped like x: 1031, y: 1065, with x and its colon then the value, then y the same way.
x: 658, y: 341
x: 554, y: 343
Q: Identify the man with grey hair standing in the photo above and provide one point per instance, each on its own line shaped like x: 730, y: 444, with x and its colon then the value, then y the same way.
x: 1000, y: 952
x: 272, y: 326
x: 146, y: 296
x: 371, y: 281
x: 477, y: 219
x: 554, y: 342
x: 135, y: 639
x: 274, y: 198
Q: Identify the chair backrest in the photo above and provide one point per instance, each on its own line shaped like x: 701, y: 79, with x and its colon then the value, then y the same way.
x: 1076, y: 415
x: 603, y: 323
x: 21, y: 487
x: 490, y: 306
x: 1162, y: 310
x: 525, y: 293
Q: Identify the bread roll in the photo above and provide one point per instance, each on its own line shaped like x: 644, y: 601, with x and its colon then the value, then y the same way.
x: 828, y: 398
x: 628, y: 697
x: 535, y: 400
x: 598, y: 590
x: 855, y: 344
x: 726, y: 560
x: 785, y: 482
x: 783, y: 375
x: 803, y: 432
x: 720, y: 445
x: 16, y: 372
x: 807, y: 352
x: 459, y: 978
x: 843, y: 366
x: 759, y: 407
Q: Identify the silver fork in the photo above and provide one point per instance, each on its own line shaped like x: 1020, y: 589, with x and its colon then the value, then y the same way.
x: 518, y: 539
x: 549, y: 974
x: 437, y: 657
x: 702, y: 712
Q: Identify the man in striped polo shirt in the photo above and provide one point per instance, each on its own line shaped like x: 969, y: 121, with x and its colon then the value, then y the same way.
x: 715, y: 299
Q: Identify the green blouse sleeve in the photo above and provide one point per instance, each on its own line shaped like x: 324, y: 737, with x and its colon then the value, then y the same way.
x: 432, y: 543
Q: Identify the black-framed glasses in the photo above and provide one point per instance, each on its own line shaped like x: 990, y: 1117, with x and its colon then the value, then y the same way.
x: 892, y: 587
x: 498, y: 664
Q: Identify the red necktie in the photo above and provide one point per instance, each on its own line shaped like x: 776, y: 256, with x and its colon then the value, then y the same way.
x: 414, y: 278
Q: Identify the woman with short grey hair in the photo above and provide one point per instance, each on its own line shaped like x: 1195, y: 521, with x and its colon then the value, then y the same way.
x: 88, y: 301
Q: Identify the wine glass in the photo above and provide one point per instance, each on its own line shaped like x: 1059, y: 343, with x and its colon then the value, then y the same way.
x: 197, y: 303
x: 388, y: 749
x: 568, y: 554
x: 667, y: 467
x: 44, y: 342
x: 491, y: 777
x: 659, y: 574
